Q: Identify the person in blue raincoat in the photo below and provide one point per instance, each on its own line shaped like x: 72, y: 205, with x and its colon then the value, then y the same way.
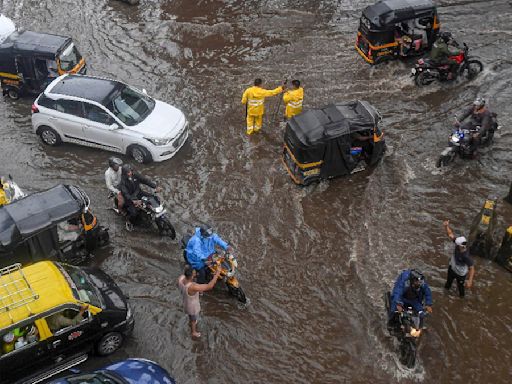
x: 412, y: 290
x: 200, y: 247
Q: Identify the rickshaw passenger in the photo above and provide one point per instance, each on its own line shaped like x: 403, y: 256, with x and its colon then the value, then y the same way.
x: 69, y: 230
x: 402, y: 37
x: 360, y: 140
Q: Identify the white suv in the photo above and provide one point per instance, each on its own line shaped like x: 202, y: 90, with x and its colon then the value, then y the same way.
x: 110, y: 115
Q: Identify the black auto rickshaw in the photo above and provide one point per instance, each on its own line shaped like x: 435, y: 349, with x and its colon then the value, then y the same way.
x: 29, y: 61
x: 336, y: 140
x: 55, y: 224
x: 397, y: 28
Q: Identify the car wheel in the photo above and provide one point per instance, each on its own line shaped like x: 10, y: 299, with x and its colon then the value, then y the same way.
x: 49, y: 136
x: 13, y: 93
x: 109, y: 343
x: 140, y: 154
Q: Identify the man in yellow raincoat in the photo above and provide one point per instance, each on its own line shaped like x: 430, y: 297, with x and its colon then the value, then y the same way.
x: 254, y: 98
x: 292, y: 99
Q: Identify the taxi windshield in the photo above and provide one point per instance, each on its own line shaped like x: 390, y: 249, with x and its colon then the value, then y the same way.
x: 131, y: 106
x: 69, y: 58
x: 83, y: 290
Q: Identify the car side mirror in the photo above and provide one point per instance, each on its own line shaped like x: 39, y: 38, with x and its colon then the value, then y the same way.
x: 114, y: 126
x: 144, y: 91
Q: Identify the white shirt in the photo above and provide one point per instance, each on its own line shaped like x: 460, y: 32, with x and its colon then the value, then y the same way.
x: 113, y: 179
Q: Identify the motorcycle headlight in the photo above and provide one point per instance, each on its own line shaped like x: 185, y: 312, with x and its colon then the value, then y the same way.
x: 157, y: 142
x: 455, y: 138
x: 415, y: 332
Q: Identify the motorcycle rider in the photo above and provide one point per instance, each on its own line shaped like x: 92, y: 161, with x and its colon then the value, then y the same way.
x: 132, y: 193
x: 199, y: 249
x: 444, y: 48
x: 480, y: 116
x: 113, y: 179
x: 410, y: 289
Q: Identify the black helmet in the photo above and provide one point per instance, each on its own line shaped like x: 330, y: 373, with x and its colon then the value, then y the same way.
x: 416, y: 275
x: 113, y: 161
x: 127, y: 168
x: 205, y: 230
x: 479, y: 102
x: 446, y: 36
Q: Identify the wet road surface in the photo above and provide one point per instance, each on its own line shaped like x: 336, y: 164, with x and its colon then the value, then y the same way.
x: 314, y: 261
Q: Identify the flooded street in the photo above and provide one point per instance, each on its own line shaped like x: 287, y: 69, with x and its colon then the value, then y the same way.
x: 314, y: 261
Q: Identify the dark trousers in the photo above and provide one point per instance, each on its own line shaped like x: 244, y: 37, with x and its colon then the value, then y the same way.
x: 460, y: 281
x: 131, y: 210
x: 203, y: 275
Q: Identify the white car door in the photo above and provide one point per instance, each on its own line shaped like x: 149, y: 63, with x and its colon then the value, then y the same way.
x: 98, y: 129
x: 67, y: 118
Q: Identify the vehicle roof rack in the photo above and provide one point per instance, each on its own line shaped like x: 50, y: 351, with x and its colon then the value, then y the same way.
x: 15, y: 290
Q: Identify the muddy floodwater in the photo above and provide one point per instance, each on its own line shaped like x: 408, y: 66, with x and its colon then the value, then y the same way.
x: 314, y: 261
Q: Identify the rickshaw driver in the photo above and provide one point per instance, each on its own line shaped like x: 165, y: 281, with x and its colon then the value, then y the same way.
x: 200, y: 247
x: 441, y: 52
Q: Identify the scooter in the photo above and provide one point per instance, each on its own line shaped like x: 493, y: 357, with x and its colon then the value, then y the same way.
x: 228, y: 264
x: 408, y: 330
x: 426, y: 71
x: 151, y: 212
x: 460, y: 140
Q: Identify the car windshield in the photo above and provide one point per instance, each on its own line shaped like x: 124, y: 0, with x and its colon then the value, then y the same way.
x: 69, y: 58
x: 83, y: 290
x: 92, y: 378
x: 131, y: 106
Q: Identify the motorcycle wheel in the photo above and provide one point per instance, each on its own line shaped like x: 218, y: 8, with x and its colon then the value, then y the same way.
x: 408, y: 353
x: 166, y: 228
x: 422, y: 78
x: 238, y: 292
x: 444, y: 160
x: 472, y: 68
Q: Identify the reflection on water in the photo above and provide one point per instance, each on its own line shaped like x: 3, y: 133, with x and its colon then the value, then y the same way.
x: 315, y: 261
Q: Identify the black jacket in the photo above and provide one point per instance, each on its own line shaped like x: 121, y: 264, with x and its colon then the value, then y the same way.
x: 483, y: 119
x: 131, y: 188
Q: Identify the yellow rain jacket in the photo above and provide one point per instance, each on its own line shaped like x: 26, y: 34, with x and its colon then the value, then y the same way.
x: 3, y: 198
x: 254, y: 97
x: 293, y: 101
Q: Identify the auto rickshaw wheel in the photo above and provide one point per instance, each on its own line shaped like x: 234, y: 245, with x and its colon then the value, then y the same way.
x: 13, y: 93
x: 109, y: 343
x: 140, y: 154
x: 473, y: 68
x: 49, y: 136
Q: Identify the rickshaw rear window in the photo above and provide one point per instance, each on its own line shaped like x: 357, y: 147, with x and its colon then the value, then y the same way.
x: 83, y: 290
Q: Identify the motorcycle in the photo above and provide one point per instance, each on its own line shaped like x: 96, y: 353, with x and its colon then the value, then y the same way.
x: 408, y: 330
x: 151, y: 212
x: 459, y: 142
x: 228, y: 265
x: 426, y: 71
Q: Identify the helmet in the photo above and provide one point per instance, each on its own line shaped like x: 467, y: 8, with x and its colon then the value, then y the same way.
x: 446, y: 36
x: 479, y: 102
x: 113, y: 161
x: 416, y: 275
x: 127, y: 168
x: 205, y: 230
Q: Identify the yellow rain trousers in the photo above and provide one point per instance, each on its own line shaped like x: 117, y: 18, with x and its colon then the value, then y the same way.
x: 293, y: 102
x: 254, y: 98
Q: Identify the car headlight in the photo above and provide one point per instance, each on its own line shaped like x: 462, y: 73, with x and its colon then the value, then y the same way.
x: 157, y: 141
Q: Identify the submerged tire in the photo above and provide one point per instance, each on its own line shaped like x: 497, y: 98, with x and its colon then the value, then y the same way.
x: 472, y: 69
x: 49, y: 136
x: 166, y: 228
x: 238, y: 292
x: 13, y: 93
x: 408, y: 353
x: 422, y: 79
x: 445, y: 159
x: 140, y: 154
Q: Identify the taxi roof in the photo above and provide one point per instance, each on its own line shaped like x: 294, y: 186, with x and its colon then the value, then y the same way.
x: 31, y: 290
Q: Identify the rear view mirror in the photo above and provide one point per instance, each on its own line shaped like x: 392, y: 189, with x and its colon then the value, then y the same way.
x: 114, y: 126
x: 144, y: 91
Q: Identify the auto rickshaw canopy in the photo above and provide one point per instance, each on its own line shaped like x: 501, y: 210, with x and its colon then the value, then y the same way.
x: 38, y: 212
x: 387, y: 13
x: 28, y: 42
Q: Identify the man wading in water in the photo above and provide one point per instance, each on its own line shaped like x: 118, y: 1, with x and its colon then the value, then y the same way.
x: 190, y: 292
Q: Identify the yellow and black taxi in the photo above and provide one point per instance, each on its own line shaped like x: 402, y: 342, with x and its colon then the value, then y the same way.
x: 339, y: 139
x: 30, y: 60
x: 52, y: 315
x: 397, y: 28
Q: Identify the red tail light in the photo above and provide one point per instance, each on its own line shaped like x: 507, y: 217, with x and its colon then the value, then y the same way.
x: 34, y: 108
x: 370, y: 52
